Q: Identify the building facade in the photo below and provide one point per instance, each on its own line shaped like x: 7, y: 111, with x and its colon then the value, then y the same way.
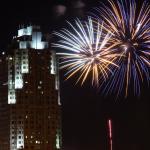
x: 30, y: 105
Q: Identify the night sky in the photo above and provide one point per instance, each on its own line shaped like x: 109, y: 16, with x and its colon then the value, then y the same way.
x: 84, y: 111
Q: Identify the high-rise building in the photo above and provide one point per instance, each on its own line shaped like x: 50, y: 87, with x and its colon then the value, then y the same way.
x: 29, y: 94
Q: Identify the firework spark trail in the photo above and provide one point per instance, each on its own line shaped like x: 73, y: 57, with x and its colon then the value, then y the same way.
x: 86, y: 51
x: 131, y: 39
x: 110, y: 133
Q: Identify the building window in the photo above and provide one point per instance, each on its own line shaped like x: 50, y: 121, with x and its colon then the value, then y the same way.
x: 19, y: 132
x: 40, y: 82
x: 39, y: 87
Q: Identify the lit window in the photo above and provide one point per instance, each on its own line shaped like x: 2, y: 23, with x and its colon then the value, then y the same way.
x: 37, y: 142
x: 39, y: 87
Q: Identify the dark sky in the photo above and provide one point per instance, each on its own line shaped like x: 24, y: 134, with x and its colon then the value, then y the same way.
x: 14, y: 13
x: 85, y: 112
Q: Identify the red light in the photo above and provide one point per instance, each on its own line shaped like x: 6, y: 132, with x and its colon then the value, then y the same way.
x: 110, y: 128
x: 110, y: 132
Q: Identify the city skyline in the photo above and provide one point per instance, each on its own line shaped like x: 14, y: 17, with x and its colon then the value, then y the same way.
x: 30, y: 107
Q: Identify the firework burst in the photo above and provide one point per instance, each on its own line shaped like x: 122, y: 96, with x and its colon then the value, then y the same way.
x: 86, y: 51
x: 130, y: 26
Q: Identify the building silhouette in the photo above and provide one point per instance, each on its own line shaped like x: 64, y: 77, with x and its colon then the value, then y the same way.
x: 30, y: 116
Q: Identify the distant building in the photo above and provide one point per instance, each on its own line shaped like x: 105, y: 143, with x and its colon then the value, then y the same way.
x: 30, y: 116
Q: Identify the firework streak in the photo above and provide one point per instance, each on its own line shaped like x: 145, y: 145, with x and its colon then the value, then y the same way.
x: 131, y: 39
x: 86, y: 51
